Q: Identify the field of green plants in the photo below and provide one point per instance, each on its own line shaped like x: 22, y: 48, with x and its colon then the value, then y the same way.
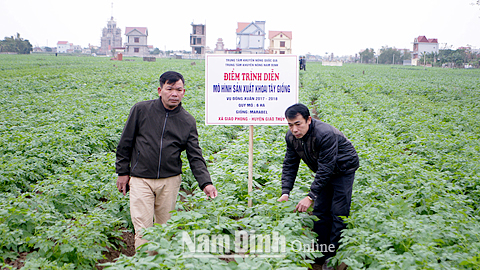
x: 416, y: 201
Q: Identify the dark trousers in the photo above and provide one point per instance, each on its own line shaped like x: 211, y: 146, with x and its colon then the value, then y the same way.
x: 333, y: 201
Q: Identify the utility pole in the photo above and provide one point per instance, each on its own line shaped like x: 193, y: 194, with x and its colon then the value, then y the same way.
x: 424, y: 60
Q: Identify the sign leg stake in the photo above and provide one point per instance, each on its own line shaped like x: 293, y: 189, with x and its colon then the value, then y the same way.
x: 250, y: 165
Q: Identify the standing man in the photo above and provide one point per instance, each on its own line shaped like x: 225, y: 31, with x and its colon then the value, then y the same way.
x: 148, y: 155
x: 332, y: 157
x: 303, y: 63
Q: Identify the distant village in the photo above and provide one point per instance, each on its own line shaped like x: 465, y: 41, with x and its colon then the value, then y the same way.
x: 250, y: 39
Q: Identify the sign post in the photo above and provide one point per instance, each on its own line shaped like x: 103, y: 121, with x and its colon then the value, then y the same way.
x: 250, y: 164
x: 255, y: 89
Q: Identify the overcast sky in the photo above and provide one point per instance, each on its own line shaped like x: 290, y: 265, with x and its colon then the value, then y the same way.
x: 342, y: 27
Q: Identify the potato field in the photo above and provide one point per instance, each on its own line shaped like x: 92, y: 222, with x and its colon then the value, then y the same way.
x: 416, y: 198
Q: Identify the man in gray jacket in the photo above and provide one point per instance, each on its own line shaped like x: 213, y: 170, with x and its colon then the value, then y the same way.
x: 333, y: 159
x: 148, y: 155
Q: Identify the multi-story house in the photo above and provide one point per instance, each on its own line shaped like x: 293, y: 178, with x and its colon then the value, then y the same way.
x: 280, y: 42
x: 422, y: 45
x: 63, y: 47
x: 251, y: 37
x: 136, y: 44
x: 198, y: 38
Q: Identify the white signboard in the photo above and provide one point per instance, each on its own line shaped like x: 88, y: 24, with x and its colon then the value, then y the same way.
x: 251, y: 89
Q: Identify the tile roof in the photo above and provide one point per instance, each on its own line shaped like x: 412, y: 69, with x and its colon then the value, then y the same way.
x: 241, y: 26
x: 62, y: 43
x: 142, y: 30
x: 424, y: 39
x: 272, y: 34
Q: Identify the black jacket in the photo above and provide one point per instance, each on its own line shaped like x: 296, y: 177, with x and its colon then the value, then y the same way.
x: 324, y: 149
x: 153, y: 139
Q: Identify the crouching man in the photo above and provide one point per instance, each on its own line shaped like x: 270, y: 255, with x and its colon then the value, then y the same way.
x: 333, y: 159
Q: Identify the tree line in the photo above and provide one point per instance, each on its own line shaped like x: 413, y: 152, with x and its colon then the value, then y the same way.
x: 457, y: 57
x: 387, y: 56
x: 15, y: 44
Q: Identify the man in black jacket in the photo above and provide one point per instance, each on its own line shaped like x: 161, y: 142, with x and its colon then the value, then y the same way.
x: 148, y: 155
x: 332, y: 157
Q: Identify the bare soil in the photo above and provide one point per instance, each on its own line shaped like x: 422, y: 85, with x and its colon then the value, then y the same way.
x: 17, y: 263
x: 112, y: 254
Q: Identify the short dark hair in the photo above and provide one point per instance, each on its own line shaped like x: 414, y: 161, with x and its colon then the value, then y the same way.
x: 170, y: 77
x: 295, y: 109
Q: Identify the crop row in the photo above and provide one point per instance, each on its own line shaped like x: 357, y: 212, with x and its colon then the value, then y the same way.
x: 61, y: 119
x: 416, y: 200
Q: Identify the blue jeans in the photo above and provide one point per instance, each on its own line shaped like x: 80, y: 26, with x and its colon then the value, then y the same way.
x: 333, y: 201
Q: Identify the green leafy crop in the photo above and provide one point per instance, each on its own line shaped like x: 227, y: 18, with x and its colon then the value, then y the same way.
x: 416, y: 195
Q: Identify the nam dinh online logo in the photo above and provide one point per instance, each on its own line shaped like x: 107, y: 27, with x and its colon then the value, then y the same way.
x: 271, y: 245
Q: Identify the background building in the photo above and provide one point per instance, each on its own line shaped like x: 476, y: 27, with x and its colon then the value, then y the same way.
x: 251, y: 37
x: 219, y: 47
x: 280, y: 42
x: 64, y: 47
x: 136, y: 44
x: 198, y: 38
x: 111, y: 38
x: 423, y: 45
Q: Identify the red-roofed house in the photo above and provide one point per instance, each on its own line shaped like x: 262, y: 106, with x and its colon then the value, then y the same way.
x: 280, y: 42
x: 63, y: 46
x: 251, y: 37
x: 241, y: 26
x: 136, y: 44
x: 422, y: 45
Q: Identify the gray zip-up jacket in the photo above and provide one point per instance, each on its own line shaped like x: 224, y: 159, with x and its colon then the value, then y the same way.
x: 324, y: 149
x: 153, y: 139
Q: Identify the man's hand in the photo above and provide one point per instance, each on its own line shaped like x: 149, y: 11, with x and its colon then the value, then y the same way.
x: 210, y: 191
x: 304, y: 204
x: 122, y: 182
x: 283, y: 198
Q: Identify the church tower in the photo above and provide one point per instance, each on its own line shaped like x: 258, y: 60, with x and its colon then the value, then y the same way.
x: 111, y: 37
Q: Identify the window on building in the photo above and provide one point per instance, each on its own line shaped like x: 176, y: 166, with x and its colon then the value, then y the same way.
x: 137, y: 40
x: 136, y: 49
x: 282, y: 44
x: 199, y: 41
x: 282, y: 52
